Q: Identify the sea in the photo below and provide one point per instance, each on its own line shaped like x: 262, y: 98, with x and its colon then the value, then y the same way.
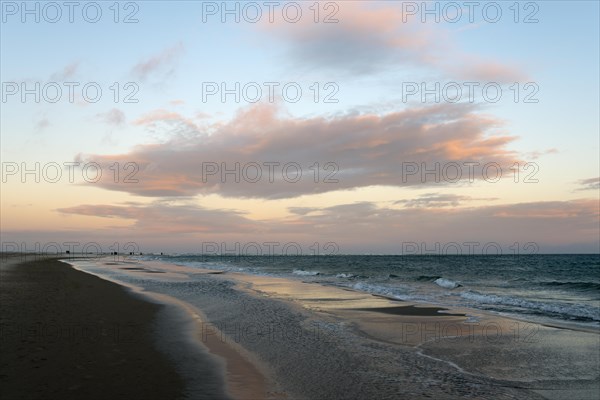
x: 550, y: 289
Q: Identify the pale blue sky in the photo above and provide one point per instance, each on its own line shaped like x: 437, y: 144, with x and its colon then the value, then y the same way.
x: 560, y: 53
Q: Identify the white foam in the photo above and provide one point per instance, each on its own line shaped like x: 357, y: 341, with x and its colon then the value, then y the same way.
x: 396, y: 292
x: 305, y: 273
x: 446, y: 283
x: 572, y: 310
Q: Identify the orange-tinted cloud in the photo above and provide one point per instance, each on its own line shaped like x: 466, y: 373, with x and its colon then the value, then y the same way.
x: 165, y: 218
x: 437, y: 200
x: 351, y: 151
x: 551, y: 226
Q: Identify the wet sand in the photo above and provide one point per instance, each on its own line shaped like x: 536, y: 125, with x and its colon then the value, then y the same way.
x: 553, y: 361
x: 312, y: 341
x: 241, y: 377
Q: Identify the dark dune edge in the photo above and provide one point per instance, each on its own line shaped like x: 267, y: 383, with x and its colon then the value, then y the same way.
x: 66, y: 334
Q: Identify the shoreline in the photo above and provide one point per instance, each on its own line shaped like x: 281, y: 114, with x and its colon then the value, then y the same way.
x: 243, y: 378
x: 308, y: 340
x: 287, y: 325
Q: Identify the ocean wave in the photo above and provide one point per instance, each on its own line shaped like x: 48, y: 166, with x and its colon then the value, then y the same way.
x: 302, y: 272
x: 446, y: 283
x: 381, y: 290
x: 344, y: 275
x: 571, y: 311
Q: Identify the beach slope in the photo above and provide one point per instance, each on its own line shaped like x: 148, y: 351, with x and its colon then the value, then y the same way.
x: 66, y: 334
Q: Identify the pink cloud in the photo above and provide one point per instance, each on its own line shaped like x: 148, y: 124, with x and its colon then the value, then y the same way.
x: 166, y: 218
x: 551, y: 226
x: 159, y: 115
x: 366, y: 149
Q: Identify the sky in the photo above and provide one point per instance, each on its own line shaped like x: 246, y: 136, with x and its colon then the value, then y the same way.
x: 329, y: 127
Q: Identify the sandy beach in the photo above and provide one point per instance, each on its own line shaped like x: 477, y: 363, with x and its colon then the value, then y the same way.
x: 70, y: 335
x: 300, y: 200
x: 273, y: 338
